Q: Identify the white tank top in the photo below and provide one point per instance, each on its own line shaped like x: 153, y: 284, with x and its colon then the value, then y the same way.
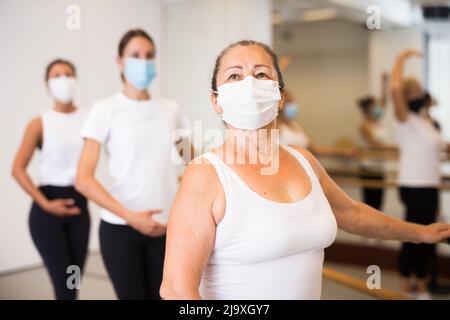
x: 380, y: 135
x: 61, y: 147
x: 266, y: 249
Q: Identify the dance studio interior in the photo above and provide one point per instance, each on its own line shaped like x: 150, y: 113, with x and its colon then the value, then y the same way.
x: 107, y: 106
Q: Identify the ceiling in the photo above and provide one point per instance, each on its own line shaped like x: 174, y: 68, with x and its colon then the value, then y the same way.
x: 394, y: 13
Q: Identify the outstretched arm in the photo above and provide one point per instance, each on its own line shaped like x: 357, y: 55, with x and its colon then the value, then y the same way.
x: 359, y: 218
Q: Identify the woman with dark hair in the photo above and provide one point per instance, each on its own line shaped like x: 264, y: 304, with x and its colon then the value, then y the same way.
x: 375, y: 136
x: 59, y: 218
x: 420, y: 145
x: 136, y: 130
x: 252, y: 218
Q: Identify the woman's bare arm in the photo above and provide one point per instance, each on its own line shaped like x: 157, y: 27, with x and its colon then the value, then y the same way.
x: 373, y: 143
x: 401, y: 110
x: 31, y: 140
x: 191, y: 232
x: 87, y: 184
x: 384, y: 89
x: 359, y: 218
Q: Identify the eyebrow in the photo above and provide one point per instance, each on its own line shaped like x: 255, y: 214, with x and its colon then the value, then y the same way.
x: 238, y: 67
x: 255, y: 66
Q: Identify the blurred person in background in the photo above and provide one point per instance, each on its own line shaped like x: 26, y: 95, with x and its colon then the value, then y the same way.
x: 421, y: 146
x: 375, y: 137
x: 59, y: 218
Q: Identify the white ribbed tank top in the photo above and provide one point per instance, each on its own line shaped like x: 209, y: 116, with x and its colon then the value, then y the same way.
x: 61, y: 147
x: 266, y: 249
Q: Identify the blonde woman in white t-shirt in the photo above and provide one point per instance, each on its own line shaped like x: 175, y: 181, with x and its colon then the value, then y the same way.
x: 252, y: 218
x: 135, y: 129
x: 420, y: 145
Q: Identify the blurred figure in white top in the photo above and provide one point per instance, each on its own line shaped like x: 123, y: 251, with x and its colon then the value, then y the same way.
x: 292, y: 133
x: 421, y: 146
x: 375, y: 137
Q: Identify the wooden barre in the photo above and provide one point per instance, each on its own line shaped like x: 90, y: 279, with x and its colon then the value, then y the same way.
x: 378, y: 158
x: 356, y: 173
x: 361, y: 286
x: 368, y: 183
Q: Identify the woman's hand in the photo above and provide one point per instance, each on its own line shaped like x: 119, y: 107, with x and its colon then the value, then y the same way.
x: 434, y: 233
x: 61, y: 207
x: 408, y: 53
x: 145, y: 224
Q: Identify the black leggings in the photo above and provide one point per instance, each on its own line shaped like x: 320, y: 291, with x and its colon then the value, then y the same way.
x: 61, y: 242
x: 134, y: 261
x: 421, y: 207
x: 373, y: 196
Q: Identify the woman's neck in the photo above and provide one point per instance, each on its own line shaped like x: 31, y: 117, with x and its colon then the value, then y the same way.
x: 257, y: 146
x: 136, y: 94
x: 64, y: 107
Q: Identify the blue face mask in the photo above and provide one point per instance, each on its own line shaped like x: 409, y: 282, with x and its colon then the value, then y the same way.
x: 290, y: 110
x: 377, y: 112
x: 139, y: 72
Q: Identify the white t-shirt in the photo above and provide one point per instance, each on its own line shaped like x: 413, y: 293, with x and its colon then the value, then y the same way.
x: 61, y: 147
x: 420, y: 147
x: 138, y: 139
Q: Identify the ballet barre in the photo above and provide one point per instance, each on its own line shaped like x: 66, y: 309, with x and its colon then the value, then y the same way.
x: 379, y: 184
x: 361, y: 286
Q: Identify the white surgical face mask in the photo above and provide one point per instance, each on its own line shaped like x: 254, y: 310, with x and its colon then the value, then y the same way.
x: 250, y: 103
x: 62, y: 88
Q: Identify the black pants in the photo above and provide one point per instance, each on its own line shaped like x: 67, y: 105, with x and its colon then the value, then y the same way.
x: 421, y: 207
x: 61, y: 241
x: 134, y: 261
x: 373, y: 196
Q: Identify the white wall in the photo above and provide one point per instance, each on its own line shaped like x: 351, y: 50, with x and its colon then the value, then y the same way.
x: 439, y: 80
x: 33, y: 33
x: 209, y: 26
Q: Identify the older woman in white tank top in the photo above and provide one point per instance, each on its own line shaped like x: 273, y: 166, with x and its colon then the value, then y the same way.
x: 257, y: 229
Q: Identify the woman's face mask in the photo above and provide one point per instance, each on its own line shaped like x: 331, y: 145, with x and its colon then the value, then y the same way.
x: 290, y: 110
x: 250, y: 103
x: 139, y: 72
x: 417, y: 104
x: 376, y: 112
x: 62, y: 88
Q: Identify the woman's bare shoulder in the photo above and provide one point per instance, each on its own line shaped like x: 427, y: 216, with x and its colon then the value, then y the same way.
x: 317, y: 167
